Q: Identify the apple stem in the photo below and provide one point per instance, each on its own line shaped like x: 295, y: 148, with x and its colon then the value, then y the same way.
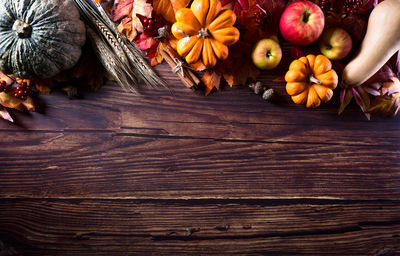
x: 314, y: 80
x: 262, y: 9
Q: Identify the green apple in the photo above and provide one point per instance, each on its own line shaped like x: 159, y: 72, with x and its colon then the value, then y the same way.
x: 335, y: 43
x: 266, y: 54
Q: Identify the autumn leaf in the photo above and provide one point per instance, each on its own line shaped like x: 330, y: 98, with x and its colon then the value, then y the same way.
x: 238, y: 67
x: 44, y: 85
x: 5, y: 115
x: 388, y: 103
x: 6, y: 78
x: 236, y: 6
x: 9, y: 101
x: 168, y: 8
x: 211, y: 80
x: 122, y: 10
x: 270, y: 12
x: 131, y: 25
x: 90, y: 68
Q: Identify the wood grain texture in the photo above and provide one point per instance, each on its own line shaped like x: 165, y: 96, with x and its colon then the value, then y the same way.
x: 177, y: 173
x: 173, y: 227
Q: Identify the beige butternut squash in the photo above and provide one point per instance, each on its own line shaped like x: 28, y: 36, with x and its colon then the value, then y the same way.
x: 381, y: 41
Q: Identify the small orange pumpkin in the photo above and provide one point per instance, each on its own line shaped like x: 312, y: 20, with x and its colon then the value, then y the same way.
x: 205, y: 31
x: 310, y: 80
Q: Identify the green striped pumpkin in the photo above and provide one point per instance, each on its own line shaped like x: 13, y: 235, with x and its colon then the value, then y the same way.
x: 39, y: 38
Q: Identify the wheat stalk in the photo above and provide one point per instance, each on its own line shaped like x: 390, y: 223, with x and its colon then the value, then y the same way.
x: 115, y: 52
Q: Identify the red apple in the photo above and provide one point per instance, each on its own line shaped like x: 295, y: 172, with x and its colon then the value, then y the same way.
x: 266, y: 54
x: 335, y: 43
x: 302, y: 23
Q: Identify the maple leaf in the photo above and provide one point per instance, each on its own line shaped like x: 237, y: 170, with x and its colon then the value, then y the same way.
x: 238, y: 67
x: 254, y: 31
x: 122, y: 10
x: 131, y: 25
x: 168, y: 8
x: 5, y: 115
x: 9, y: 101
x: 211, y: 80
x: 237, y: 6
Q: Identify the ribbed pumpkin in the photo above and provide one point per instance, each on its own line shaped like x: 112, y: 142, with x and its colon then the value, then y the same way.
x: 205, y: 31
x: 39, y: 38
x: 310, y: 80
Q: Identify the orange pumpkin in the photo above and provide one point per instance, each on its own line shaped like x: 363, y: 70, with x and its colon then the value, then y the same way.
x: 205, y: 31
x: 310, y: 80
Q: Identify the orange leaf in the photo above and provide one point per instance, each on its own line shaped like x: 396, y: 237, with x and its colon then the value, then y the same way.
x: 198, y: 66
x: 44, y: 85
x: 168, y: 8
x: 211, y: 79
x: 9, y: 101
x: 238, y: 67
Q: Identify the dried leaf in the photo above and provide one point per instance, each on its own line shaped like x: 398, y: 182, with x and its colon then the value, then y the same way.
x: 360, y: 100
x: 9, y: 101
x: 296, y: 52
x: 345, y: 99
x: 280, y: 79
x: 198, y: 66
x: 238, y: 67
x: 6, y: 78
x: 88, y: 66
x: 131, y: 25
x: 211, y: 79
x: 168, y: 8
x: 236, y: 5
x: 5, y: 115
x: 385, y: 105
x: 43, y: 85
x: 253, y: 31
x: 122, y: 10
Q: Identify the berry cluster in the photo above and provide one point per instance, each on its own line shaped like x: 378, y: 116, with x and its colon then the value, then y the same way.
x: 151, y: 25
x: 327, y: 6
x: 4, y: 87
x: 351, y: 6
x: 23, y: 91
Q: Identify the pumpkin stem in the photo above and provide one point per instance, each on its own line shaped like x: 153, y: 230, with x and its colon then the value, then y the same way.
x: 203, y: 33
x: 22, y: 29
x: 314, y: 80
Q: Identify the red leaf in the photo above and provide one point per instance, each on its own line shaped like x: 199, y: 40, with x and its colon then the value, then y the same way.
x: 253, y: 31
x: 122, y: 10
x: 296, y: 52
x: 236, y: 5
x: 280, y: 79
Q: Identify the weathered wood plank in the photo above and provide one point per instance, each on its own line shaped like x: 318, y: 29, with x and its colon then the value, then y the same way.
x: 117, y: 165
x: 200, y: 227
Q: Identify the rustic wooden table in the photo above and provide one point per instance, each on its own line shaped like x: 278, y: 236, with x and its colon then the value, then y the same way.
x: 184, y: 174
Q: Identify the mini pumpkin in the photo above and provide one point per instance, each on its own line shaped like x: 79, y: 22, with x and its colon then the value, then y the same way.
x: 39, y: 38
x: 205, y: 31
x: 310, y: 80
